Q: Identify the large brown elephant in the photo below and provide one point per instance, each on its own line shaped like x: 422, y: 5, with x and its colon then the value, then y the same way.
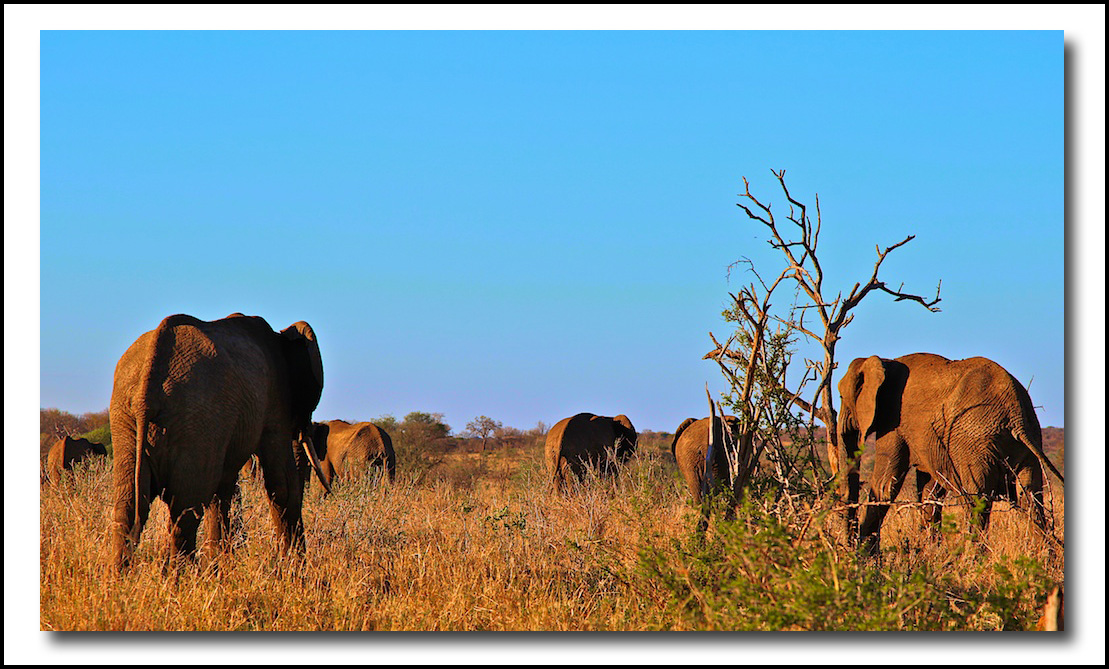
x: 67, y: 452
x: 576, y: 443
x: 347, y: 450
x: 967, y: 426
x: 690, y: 445
x: 191, y: 402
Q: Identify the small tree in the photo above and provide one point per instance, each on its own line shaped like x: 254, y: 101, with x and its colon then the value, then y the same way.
x: 420, y: 426
x: 756, y: 358
x: 484, y: 427
x: 387, y: 422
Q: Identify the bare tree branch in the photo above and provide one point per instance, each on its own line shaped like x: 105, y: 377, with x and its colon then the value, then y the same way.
x: 745, y: 360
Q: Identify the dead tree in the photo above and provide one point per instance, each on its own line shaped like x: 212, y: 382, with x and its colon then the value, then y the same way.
x: 755, y: 375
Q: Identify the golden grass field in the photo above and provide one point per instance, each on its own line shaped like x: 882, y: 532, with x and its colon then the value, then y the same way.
x: 480, y: 541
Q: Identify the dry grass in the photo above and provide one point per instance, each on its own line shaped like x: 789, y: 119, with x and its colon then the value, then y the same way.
x: 478, y: 542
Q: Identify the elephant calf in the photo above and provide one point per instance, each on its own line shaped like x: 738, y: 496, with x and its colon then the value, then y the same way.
x: 576, y: 443
x: 68, y: 451
x: 349, y: 449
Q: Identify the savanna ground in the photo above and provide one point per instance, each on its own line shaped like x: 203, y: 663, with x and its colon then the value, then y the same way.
x: 466, y: 540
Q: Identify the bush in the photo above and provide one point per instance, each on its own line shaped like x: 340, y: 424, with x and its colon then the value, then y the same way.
x: 418, y: 440
x: 100, y: 435
x: 761, y: 573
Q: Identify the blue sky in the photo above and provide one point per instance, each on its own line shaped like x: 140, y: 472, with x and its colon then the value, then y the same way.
x: 530, y: 224
x: 437, y: 205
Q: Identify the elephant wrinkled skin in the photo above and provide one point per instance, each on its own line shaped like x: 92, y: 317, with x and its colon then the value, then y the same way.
x: 192, y: 400
x: 585, y: 440
x: 967, y: 426
x: 689, y: 447
x: 349, y: 449
x: 67, y: 452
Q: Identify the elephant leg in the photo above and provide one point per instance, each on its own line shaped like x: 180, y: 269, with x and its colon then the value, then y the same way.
x: 1029, y: 489
x: 981, y: 484
x: 217, y: 520
x: 183, y: 523
x: 891, y: 464
x: 980, y: 515
x: 128, y: 524
x: 703, y: 504
x: 928, y: 489
x: 235, y: 513
x: 283, y: 488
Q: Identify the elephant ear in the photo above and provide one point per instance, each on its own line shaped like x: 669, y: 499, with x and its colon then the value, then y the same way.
x: 629, y: 430
x: 319, y: 438
x: 872, y: 374
x: 302, y: 352
x: 677, y: 433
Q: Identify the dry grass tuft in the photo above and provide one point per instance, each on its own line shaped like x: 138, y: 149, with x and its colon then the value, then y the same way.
x: 475, y: 542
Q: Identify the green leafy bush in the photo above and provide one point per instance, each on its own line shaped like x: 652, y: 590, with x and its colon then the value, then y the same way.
x: 763, y: 573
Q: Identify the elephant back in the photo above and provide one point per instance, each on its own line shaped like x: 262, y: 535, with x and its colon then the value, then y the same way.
x: 552, y: 448
x: 583, y: 440
x: 351, y: 447
x: 67, y: 451
x: 691, y: 446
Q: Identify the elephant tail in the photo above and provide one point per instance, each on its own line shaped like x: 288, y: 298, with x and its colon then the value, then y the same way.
x: 1036, y: 447
x: 145, y: 408
x: 142, y: 476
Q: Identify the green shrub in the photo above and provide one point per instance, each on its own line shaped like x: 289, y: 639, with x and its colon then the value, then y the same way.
x: 760, y: 573
x: 100, y: 435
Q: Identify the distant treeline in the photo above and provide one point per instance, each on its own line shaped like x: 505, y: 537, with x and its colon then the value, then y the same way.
x: 55, y: 424
x: 418, y: 430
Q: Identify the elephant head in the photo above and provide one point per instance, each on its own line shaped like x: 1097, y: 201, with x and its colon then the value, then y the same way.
x: 866, y: 400
x: 302, y: 354
x: 626, y: 437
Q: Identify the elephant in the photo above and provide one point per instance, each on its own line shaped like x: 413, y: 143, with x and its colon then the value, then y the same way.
x: 689, y: 447
x: 584, y: 440
x: 967, y: 426
x: 348, y: 449
x: 192, y: 400
x: 67, y: 452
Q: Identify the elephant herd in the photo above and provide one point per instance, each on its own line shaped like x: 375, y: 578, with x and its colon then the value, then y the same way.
x: 193, y: 401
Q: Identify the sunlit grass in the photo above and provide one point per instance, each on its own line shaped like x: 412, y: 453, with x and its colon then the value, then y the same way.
x: 478, y: 542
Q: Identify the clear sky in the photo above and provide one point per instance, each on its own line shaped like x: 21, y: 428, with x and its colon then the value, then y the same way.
x: 526, y: 225
x: 531, y: 224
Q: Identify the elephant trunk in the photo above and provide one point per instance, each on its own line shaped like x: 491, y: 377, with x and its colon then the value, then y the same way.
x: 310, y: 451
